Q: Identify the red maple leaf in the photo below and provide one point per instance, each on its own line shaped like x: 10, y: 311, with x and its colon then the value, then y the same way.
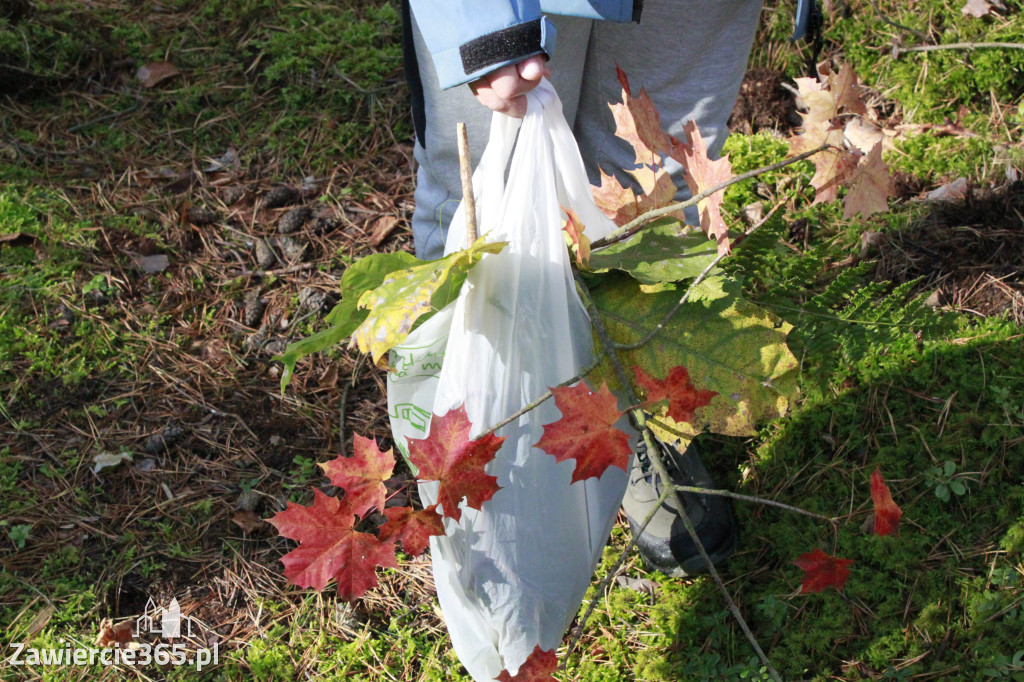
x: 586, y: 432
x: 331, y: 547
x: 412, y: 528
x: 538, y: 667
x: 362, y: 475
x: 682, y: 396
x: 822, y: 571
x: 448, y: 456
x: 887, y: 513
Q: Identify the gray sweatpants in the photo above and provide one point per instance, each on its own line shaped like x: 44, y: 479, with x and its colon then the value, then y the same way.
x: 690, y: 55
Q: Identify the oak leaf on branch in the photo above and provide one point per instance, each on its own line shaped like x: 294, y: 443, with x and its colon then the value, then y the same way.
x: 448, y: 456
x: 586, y: 431
x: 330, y: 547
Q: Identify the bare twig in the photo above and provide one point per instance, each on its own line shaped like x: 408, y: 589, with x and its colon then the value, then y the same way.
x: 466, y: 170
x: 878, y: 11
x: 755, y: 500
x: 897, y: 50
x: 635, y: 225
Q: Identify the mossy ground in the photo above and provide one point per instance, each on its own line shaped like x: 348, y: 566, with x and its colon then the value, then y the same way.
x: 99, y: 356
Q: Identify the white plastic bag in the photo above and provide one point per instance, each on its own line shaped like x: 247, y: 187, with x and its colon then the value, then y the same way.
x: 512, y: 576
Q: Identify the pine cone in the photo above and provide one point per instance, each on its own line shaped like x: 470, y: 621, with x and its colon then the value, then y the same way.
x: 282, y: 195
x: 292, y: 249
x: 252, y: 313
x: 265, y: 256
x: 312, y: 300
x: 200, y: 215
x: 232, y: 194
x: 293, y: 220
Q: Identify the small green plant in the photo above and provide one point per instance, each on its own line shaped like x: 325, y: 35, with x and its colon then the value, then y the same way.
x: 1006, y: 667
x: 944, y: 481
x: 19, y: 533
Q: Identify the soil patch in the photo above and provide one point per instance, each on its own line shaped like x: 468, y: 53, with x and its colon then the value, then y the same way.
x: 970, y: 252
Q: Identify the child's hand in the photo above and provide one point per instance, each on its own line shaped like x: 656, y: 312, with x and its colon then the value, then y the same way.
x: 504, y: 90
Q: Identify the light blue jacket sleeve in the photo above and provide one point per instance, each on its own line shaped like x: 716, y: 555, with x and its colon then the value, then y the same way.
x: 470, y: 38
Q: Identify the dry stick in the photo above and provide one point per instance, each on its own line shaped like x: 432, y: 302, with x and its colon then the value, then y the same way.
x: 466, y: 170
x: 634, y: 226
x: 878, y: 11
x: 686, y: 296
x: 897, y: 50
x: 655, y: 455
x: 755, y: 500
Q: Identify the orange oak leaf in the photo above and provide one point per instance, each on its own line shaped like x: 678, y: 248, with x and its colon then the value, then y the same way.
x: 539, y: 667
x: 412, y: 528
x: 586, y: 432
x: 822, y: 571
x: 578, y: 241
x: 870, y: 186
x: 702, y: 174
x: 448, y: 455
x: 362, y: 475
x: 331, y: 547
x: 887, y: 513
x: 682, y: 396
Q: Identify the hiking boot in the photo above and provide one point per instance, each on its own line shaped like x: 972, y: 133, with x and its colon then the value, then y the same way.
x: 665, y: 544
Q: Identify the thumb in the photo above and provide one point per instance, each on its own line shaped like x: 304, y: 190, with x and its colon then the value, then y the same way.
x: 533, y: 68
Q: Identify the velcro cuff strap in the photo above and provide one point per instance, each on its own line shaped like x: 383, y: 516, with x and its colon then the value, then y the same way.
x: 502, y: 46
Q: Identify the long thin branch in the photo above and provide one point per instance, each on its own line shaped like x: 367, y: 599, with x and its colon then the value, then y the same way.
x: 755, y: 500
x: 635, y: 225
x: 655, y: 454
x: 897, y: 50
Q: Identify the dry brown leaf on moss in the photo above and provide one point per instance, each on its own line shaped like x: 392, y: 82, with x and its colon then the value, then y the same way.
x: 152, y: 74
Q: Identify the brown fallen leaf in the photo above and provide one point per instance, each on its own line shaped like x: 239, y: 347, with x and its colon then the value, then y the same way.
x: 39, y: 622
x: 981, y: 8
x: 951, y: 191
x: 248, y: 521
x: 112, y: 635
x: 382, y: 227
x: 154, y: 73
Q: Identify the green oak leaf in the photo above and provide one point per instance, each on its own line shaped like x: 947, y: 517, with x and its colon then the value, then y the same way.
x: 727, y: 344
x: 664, y: 251
x: 364, y: 275
x: 406, y: 295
